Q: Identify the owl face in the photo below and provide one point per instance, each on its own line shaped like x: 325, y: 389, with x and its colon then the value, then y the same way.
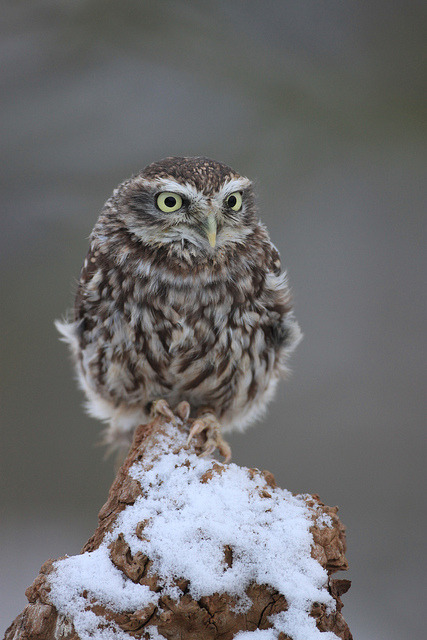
x: 193, y: 202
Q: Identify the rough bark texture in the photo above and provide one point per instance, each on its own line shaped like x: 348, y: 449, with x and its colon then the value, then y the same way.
x: 210, y: 617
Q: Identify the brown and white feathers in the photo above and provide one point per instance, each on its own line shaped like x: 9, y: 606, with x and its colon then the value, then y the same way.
x: 181, y: 297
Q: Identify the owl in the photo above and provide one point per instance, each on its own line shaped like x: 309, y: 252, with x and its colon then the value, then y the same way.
x: 181, y: 303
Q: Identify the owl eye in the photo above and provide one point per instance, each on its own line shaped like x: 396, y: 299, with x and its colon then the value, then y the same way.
x: 169, y: 202
x: 234, y: 201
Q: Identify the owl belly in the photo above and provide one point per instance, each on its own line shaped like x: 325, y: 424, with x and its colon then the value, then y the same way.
x: 229, y: 372
x: 216, y: 358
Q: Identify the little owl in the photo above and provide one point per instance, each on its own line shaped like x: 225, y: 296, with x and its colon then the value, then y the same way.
x: 181, y: 301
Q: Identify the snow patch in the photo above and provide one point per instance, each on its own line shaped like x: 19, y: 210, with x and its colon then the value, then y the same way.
x: 192, y: 518
x: 94, y: 573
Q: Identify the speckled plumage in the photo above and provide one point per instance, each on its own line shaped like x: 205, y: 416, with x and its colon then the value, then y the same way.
x: 160, y: 313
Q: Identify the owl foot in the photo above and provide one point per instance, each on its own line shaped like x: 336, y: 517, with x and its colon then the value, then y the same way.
x: 161, y: 408
x: 183, y: 410
x: 214, y: 440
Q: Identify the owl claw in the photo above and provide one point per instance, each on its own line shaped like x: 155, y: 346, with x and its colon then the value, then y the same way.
x: 183, y: 410
x: 214, y: 440
x: 161, y: 408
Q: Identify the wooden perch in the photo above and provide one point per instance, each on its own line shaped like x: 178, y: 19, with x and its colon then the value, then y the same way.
x: 185, y: 613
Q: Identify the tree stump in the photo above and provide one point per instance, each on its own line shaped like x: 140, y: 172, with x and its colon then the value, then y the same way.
x: 188, y: 547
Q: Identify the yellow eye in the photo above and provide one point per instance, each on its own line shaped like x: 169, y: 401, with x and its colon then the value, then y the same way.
x: 169, y: 202
x: 234, y: 201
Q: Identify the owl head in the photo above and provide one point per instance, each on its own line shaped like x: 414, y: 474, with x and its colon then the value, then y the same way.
x: 194, y: 202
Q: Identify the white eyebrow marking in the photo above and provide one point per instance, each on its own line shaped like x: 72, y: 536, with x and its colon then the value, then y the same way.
x: 169, y: 184
x: 235, y: 184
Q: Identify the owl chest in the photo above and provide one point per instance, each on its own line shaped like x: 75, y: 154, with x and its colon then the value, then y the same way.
x: 186, y: 330
x: 184, y: 326
x: 196, y: 344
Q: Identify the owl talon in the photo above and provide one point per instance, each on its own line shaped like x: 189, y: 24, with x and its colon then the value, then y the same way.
x: 224, y: 449
x: 183, y: 410
x: 207, y: 422
x: 161, y: 408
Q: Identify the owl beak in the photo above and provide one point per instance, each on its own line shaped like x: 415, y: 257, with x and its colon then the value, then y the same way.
x: 211, y: 229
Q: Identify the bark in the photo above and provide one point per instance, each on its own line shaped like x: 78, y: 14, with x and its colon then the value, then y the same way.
x: 208, y: 618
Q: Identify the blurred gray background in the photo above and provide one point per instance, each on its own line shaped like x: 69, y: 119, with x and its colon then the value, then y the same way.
x: 323, y: 104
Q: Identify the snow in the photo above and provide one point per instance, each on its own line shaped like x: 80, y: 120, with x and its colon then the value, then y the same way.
x: 191, y: 516
x: 94, y: 573
x: 324, y: 520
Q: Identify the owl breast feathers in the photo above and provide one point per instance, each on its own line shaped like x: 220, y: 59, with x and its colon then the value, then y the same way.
x: 181, y: 297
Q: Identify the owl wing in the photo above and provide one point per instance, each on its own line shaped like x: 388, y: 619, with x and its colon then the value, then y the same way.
x: 93, y: 280
x: 284, y: 332
x: 275, y: 261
